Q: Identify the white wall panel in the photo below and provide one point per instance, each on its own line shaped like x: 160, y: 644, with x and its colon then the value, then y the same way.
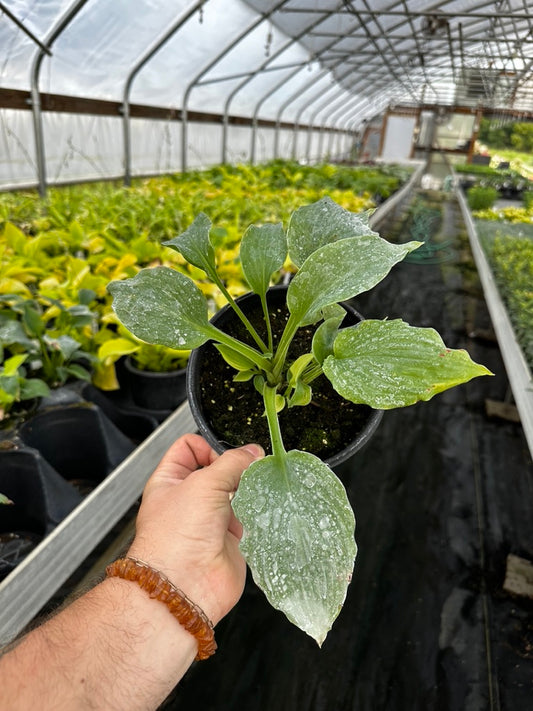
x: 398, y: 137
x: 17, y: 152
x: 82, y: 147
x: 205, y: 141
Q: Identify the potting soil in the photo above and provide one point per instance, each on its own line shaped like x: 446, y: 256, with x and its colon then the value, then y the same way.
x: 442, y: 495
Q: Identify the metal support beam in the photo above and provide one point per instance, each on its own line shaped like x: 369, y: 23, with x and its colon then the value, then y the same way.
x: 266, y: 96
x: 227, y: 49
x: 418, y: 13
x: 316, y: 57
x: 54, y: 33
x: 26, y: 31
x: 324, y: 15
x: 340, y: 89
x: 241, y: 75
x: 158, y: 44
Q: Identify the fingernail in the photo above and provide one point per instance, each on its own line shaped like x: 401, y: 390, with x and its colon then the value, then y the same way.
x: 255, y: 450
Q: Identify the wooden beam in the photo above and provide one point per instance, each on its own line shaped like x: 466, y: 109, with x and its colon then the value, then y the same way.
x: 21, y: 100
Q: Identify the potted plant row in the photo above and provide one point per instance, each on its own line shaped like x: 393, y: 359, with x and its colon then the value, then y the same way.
x: 286, y: 354
x: 55, y: 445
x: 63, y: 359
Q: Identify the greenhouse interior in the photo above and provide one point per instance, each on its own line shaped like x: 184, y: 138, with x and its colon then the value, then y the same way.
x: 304, y: 224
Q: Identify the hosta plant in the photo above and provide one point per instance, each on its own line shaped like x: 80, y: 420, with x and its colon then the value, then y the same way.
x: 16, y: 385
x: 120, y: 343
x: 45, y: 335
x: 298, y: 523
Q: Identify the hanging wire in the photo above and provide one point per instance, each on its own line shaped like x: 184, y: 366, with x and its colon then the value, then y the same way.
x: 201, y: 13
x: 268, y: 42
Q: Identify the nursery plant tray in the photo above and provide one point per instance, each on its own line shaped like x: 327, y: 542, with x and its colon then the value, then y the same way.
x: 518, y: 372
x: 34, y: 581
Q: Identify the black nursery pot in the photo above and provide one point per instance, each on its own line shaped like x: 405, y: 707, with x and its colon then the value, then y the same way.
x: 78, y: 441
x: 159, y: 392
x: 41, y: 499
x: 230, y: 414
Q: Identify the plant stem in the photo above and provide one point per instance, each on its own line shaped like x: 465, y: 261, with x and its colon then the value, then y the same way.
x: 278, y: 449
x: 268, y: 324
x: 231, y: 301
x: 217, y: 335
x: 313, y: 372
x: 48, y: 366
x: 285, y: 341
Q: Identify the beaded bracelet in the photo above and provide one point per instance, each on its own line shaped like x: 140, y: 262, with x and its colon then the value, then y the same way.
x: 158, y: 586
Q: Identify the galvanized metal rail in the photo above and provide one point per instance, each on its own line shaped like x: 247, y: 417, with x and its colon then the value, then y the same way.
x: 24, y: 592
x: 518, y: 371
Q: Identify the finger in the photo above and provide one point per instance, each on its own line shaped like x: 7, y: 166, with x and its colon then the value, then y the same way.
x: 186, y: 455
x: 225, y: 472
x: 235, y: 526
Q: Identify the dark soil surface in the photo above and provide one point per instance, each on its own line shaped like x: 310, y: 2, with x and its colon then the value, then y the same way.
x: 442, y: 494
x: 236, y: 412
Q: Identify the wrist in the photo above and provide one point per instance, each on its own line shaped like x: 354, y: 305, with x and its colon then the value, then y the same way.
x: 158, y: 587
x: 153, y: 621
x: 194, y: 583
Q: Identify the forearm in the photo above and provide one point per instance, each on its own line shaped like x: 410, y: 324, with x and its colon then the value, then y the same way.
x: 113, y: 649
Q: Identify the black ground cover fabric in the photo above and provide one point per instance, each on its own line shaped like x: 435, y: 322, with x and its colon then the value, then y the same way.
x: 442, y: 495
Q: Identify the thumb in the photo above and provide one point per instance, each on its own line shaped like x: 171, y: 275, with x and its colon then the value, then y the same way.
x: 226, y: 471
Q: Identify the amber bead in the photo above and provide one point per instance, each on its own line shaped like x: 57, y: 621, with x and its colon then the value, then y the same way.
x: 159, y: 587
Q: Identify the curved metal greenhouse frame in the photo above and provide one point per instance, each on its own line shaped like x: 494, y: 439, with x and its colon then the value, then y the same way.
x: 163, y: 67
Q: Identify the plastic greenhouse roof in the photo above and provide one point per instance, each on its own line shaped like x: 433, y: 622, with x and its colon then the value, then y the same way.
x: 302, y: 60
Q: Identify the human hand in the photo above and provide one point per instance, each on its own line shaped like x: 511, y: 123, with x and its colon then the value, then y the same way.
x: 186, y: 527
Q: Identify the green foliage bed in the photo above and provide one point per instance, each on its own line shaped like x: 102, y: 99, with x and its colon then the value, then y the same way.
x: 60, y: 253
x: 510, y: 252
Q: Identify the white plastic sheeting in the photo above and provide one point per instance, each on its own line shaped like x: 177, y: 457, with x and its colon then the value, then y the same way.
x: 83, y: 148
x: 329, y: 63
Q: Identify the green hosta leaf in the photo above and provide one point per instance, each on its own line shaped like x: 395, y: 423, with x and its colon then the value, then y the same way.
x: 33, y: 387
x: 259, y: 383
x: 263, y: 252
x: 233, y: 357
x: 194, y: 244
x: 162, y: 306
x: 341, y: 270
x: 32, y: 320
x: 333, y: 311
x: 66, y: 345
x: 388, y: 364
x: 301, y: 396
x: 324, y: 337
x: 12, y: 332
x: 313, y: 226
x: 116, y: 347
x: 60, y: 375
x: 11, y: 365
x: 297, y: 368
x: 9, y: 387
x: 5, y: 500
x: 244, y: 375
x: 279, y: 403
x: 78, y: 371
x: 85, y: 296
x: 298, y: 537
x: 80, y: 315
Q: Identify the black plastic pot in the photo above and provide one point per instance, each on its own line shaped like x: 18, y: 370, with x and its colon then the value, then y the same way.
x: 50, y: 461
x: 160, y: 393
x: 78, y: 441
x: 134, y: 422
x: 41, y: 499
x: 201, y: 361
